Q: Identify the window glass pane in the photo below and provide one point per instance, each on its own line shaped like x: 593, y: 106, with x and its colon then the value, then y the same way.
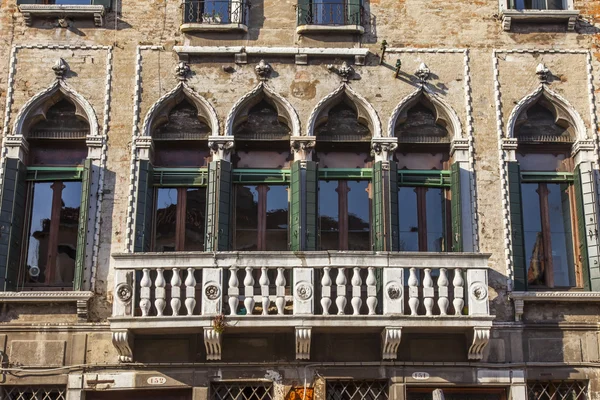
x: 329, y: 12
x: 359, y: 215
x: 166, y: 219
x: 78, y: 2
x: 37, y: 252
x: 561, y: 235
x: 67, y: 232
x: 532, y: 230
x: 246, y: 218
x: 216, y: 11
x: 409, y: 226
x: 329, y: 215
x: 435, y: 201
x: 277, y: 218
x: 194, y: 219
x: 555, y: 4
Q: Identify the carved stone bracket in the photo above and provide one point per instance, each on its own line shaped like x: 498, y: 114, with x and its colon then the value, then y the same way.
x: 212, y: 342
x: 384, y: 148
x: 481, y: 337
x: 123, y: 342
x: 345, y: 71
x: 263, y: 70
x: 303, y: 337
x: 390, y: 340
x: 302, y: 147
x: 221, y: 147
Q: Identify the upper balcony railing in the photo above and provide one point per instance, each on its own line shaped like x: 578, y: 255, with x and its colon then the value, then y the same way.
x: 329, y: 15
x: 215, y: 14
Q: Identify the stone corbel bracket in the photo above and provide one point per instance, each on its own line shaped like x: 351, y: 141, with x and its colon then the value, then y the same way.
x: 481, y: 337
x: 212, y: 342
x: 303, y: 338
x: 390, y: 341
x: 302, y: 147
x: 221, y: 147
x: 62, y: 10
x: 123, y: 342
x: 81, y: 299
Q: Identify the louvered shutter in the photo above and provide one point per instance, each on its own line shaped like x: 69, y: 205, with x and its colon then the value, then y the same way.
x: 295, y: 208
x: 455, y: 208
x: 311, y: 191
x: 106, y: 3
x: 12, y: 217
x: 84, y: 226
x: 354, y: 12
x: 144, y: 208
x: 516, y: 220
x: 218, y: 206
x: 583, y: 248
x: 305, y: 16
x: 385, y: 206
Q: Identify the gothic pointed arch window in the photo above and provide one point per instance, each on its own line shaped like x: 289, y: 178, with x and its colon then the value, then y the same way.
x: 545, y: 197
x: 424, y: 132
x: 180, y: 131
x: 261, y: 175
x: 343, y: 150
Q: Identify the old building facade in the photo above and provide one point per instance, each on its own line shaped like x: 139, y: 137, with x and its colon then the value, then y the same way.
x: 299, y: 199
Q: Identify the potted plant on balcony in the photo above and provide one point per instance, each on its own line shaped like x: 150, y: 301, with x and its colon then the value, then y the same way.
x: 209, y: 18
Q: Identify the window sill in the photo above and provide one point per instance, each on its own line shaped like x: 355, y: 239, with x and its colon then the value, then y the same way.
x: 550, y: 296
x: 39, y: 297
x: 200, y: 27
x: 302, y: 29
x: 569, y: 16
x: 62, y: 10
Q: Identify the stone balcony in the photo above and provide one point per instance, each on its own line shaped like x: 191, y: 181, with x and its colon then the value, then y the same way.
x: 219, y: 293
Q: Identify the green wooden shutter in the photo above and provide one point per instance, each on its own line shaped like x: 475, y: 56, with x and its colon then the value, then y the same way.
x: 218, y: 206
x: 12, y: 217
x: 84, y: 225
x: 583, y: 245
x: 385, y: 206
x: 305, y: 16
x: 394, y: 221
x: 516, y: 220
x: 106, y: 3
x: 354, y: 12
x: 144, y: 208
x: 378, y: 233
x: 295, y: 208
x: 311, y: 191
x: 455, y: 208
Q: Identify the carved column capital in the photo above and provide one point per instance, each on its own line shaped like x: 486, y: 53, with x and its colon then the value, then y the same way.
x: 459, y: 150
x: 144, y: 146
x: 384, y: 148
x: 509, y: 145
x: 16, y: 147
x: 302, y: 147
x: 221, y: 147
x: 583, y: 150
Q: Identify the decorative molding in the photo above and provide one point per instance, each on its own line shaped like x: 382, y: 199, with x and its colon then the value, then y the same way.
x: 390, y: 341
x: 80, y: 298
x: 61, y: 11
x: 60, y: 68
x: 304, y: 29
x: 535, y: 16
x: 263, y: 70
x: 346, y: 89
x: 202, y: 27
x: 520, y: 298
x: 481, y: 337
x: 182, y: 70
x: 303, y: 339
x: 123, y: 342
x: 212, y: 342
x: 423, y: 73
x: 345, y: 71
x: 281, y: 103
x: 542, y: 72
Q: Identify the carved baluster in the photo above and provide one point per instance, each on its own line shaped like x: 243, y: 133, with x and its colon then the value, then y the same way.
x: 428, y: 292
x: 371, y: 291
x: 356, y: 291
x: 249, y: 291
x: 160, y: 293
x: 459, y: 292
x: 234, y: 291
x: 326, y: 291
x: 341, y: 300
x: 175, y: 291
x: 413, y: 292
x: 280, y: 289
x: 190, y: 291
x: 443, y: 302
x: 264, y: 290
x: 145, y: 284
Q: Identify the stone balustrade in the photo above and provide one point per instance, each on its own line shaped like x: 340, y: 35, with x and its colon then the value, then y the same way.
x: 162, y: 291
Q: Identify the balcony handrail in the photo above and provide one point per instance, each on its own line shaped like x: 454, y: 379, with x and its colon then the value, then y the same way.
x: 331, y: 13
x: 315, y: 259
x: 215, y: 12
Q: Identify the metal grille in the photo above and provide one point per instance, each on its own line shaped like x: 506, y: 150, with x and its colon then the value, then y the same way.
x: 241, y: 391
x: 357, y: 390
x: 557, y: 390
x: 33, y: 393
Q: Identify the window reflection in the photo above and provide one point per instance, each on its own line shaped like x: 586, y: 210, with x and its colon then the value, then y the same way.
x: 194, y: 219
x: 277, y: 218
x: 409, y: 224
x: 422, y: 212
x: 246, y: 218
x: 166, y: 219
x: 359, y: 211
x: 329, y: 215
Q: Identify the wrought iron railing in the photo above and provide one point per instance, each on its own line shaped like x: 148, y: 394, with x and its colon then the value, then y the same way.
x: 331, y: 13
x: 216, y: 12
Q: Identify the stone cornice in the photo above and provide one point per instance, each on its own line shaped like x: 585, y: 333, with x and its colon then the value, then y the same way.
x: 61, y: 11
x: 520, y: 298
x: 44, y: 296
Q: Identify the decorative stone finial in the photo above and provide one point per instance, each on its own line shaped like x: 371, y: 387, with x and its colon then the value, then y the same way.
x: 542, y: 72
x: 60, y: 68
x: 345, y: 71
x: 263, y: 70
x: 423, y: 72
x: 182, y: 70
